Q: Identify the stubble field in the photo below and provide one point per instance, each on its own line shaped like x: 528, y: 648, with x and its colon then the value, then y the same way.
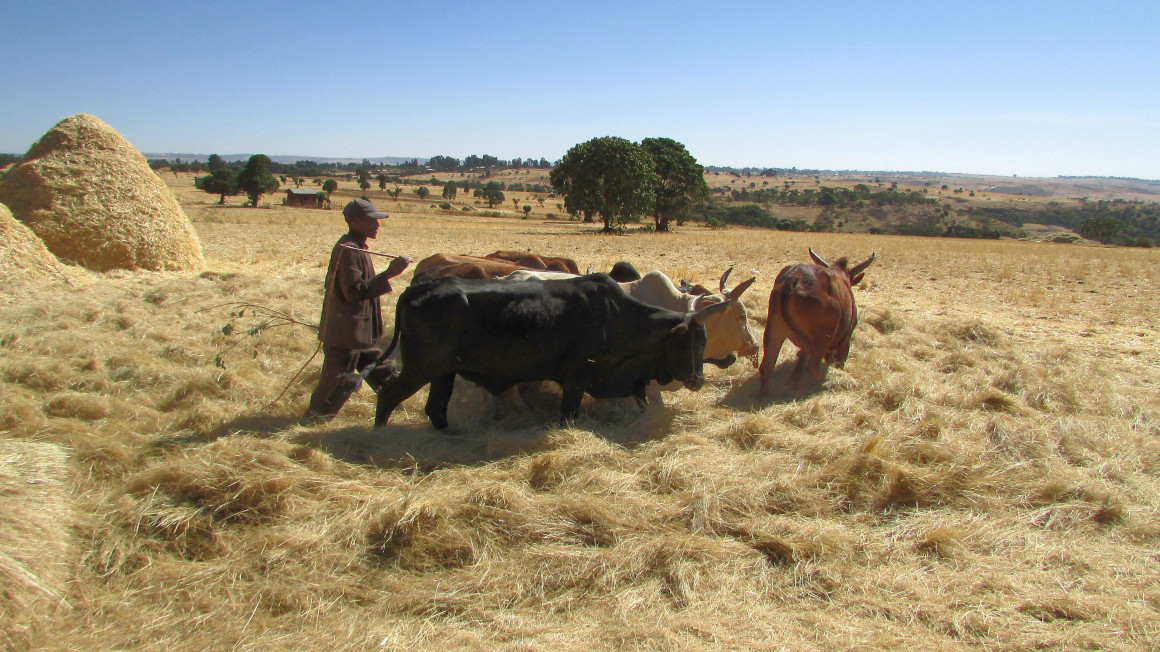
x: 984, y: 473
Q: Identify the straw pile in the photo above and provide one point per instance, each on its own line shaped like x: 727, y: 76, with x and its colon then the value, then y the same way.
x: 22, y: 254
x: 94, y: 201
x: 33, y: 536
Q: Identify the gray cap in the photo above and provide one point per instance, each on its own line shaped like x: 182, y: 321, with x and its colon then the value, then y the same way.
x: 362, y: 208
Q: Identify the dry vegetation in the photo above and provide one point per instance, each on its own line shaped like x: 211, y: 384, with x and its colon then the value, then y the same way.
x: 985, y: 473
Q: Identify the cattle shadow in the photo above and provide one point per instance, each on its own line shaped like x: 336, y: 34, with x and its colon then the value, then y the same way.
x: 425, y: 449
x: 482, y: 429
x: 744, y: 396
x: 481, y: 436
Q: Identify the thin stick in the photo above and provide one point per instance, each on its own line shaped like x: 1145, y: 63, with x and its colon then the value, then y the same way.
x: 256, y: 307
x: 287, y: 387
x: 368, y: 251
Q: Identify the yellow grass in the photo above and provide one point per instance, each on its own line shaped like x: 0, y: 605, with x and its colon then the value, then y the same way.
x: 985, y: 472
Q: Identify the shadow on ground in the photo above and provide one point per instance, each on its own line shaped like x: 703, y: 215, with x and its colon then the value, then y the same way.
x: 744, y: 396
x: 255, y: 425
x: 483, y: 434
x: 482, y: 429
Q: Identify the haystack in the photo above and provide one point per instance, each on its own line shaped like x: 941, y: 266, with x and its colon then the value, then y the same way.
x: 94, y: 201
x: 35, y: 516
x: 22, y: 254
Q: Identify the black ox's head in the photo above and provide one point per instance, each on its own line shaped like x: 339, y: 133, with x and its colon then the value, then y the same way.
x: 684, y: 348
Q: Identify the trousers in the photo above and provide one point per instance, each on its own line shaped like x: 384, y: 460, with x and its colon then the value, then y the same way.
x: 328, y: 398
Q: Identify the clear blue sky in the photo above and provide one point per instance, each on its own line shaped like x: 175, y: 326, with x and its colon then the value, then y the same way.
x: 1029, y: 88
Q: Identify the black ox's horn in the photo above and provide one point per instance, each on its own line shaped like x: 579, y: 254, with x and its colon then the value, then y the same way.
x: 725, y: 288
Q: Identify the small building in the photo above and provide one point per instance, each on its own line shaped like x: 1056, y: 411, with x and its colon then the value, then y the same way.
x: 304, y: 197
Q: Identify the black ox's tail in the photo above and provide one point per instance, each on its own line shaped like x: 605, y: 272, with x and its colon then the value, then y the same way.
x: 366, y: 371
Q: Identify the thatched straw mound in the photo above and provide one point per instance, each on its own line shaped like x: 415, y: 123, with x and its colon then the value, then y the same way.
x: 21, y: 252
x: 34, y: 521
x: 94, y: 201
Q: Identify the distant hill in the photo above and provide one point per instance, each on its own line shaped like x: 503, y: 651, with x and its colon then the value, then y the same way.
x: 380, y: 160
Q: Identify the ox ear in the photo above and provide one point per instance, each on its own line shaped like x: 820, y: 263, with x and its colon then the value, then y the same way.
x: 857, y: 279
x: 724, y: 288
x: 703, y: 314
x: 681, y: 328
x: 736, y: 292
x: 860, y: 267
x: 818, y: 259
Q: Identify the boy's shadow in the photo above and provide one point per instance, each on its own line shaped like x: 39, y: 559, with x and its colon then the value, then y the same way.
x: 256, y: 425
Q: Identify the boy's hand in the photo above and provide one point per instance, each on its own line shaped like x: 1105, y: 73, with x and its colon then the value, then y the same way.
x: 397, y: 266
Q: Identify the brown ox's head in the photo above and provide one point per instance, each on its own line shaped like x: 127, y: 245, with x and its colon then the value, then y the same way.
x: 855, y: 275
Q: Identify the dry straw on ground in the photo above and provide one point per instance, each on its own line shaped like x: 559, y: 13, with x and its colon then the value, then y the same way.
x: 35, y: 514
x: 984, y: 474
x: 95, y: 202
x: 22, y: 254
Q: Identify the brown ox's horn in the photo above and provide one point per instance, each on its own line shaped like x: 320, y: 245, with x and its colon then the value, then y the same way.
x: 724, y: 288
x: 740, y: 289
x: 862, y: 265
x: 703, y: 314
x: 818, y: 259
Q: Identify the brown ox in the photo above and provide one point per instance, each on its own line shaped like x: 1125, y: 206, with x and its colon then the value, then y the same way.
x: 534, y: 261
x: 812, y: 306
x: 472, y: 267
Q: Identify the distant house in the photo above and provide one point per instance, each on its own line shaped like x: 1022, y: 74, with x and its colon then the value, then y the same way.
x: 304, y: 197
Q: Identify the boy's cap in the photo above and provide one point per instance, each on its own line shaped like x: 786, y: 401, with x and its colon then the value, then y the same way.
x: 362, y: 208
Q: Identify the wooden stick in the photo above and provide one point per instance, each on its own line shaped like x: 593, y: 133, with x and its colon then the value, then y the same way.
x: 373, y: 253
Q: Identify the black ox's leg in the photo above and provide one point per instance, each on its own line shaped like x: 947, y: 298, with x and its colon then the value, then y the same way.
x: 438, y: 398
x: 394, y: 391
x: 570, y: 401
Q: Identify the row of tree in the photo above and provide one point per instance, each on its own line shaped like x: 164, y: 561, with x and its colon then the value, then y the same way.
x: 860, y: 196
x: 307, y: 168
x: 442, y: 163
x: 1116, y: 221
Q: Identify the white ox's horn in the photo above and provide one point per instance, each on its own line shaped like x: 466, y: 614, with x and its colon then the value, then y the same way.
x: 703, y: 314
x: 818, y: 259
x: 740, y: 289
x: 724, y: 288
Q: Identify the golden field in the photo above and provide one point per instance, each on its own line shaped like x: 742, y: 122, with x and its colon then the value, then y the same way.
x: 985, y: 473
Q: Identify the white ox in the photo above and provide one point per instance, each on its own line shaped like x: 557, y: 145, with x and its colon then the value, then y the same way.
x: 727, y: 331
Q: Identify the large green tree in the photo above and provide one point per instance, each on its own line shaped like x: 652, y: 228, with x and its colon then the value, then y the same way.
x: 222, y: 181
x: 1104, y: 228
x: 609, y: 176
x: 255, y: 179
x: 680, y: 180
x: 492, y: 194
x: 329, y: 186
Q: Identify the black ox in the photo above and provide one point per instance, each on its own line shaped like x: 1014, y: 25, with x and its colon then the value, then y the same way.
x: 584, y: 333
